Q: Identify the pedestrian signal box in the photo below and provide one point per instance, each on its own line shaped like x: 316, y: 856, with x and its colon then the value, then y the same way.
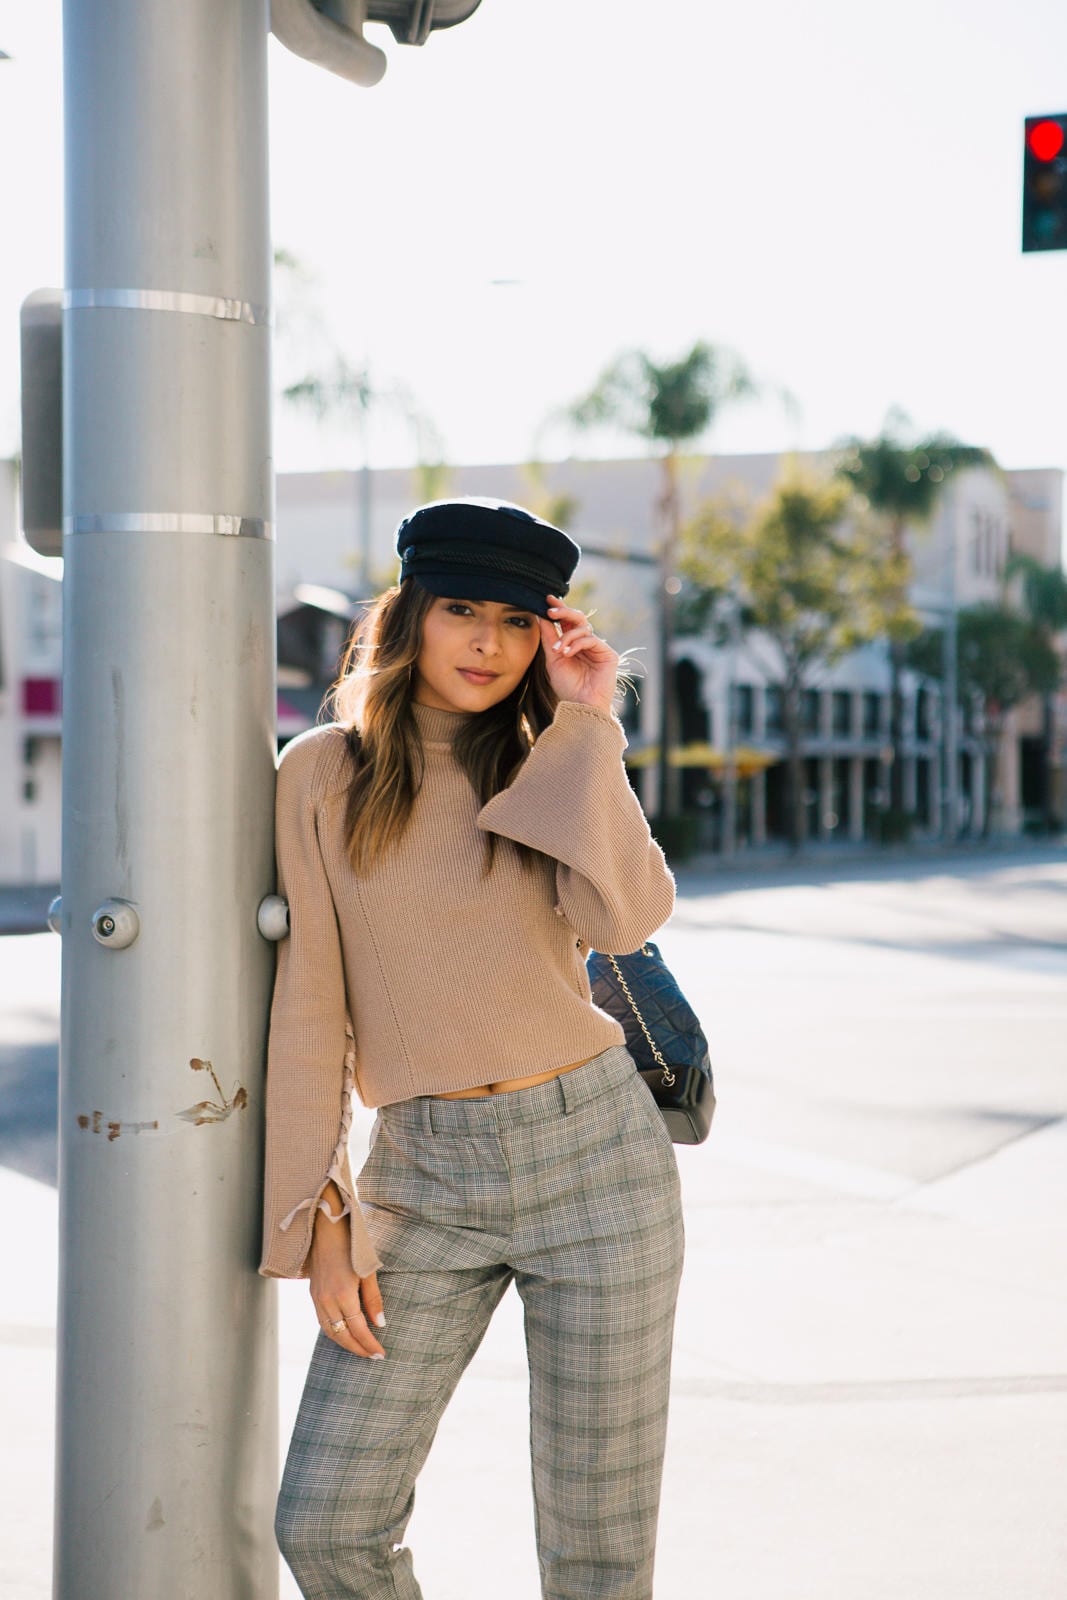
x: 1045, y: 183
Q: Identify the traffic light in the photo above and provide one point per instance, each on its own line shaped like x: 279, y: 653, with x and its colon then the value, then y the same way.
x: 1045, y: 183
x: 413, y: 20
x: 42, y: 420
x: 330, y: 32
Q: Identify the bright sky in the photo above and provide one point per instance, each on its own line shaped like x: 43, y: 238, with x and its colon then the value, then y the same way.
x: 833, y: 190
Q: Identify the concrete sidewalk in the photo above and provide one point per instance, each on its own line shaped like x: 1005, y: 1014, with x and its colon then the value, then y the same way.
x: 870, y: 1370
x: 869, y: 1396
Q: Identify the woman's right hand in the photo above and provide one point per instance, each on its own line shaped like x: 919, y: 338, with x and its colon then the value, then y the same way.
x: 339, y: 1293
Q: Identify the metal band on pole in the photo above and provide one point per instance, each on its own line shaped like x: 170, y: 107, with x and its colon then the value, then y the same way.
x: 197, y: 305
x: 170, y: 522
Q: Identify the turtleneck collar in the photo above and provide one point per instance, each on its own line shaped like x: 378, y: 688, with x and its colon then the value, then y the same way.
x: 436, y: 726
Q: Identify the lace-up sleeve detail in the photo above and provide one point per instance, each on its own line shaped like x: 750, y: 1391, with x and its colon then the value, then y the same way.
x: 311, y: 1049
x: 339, y: 1172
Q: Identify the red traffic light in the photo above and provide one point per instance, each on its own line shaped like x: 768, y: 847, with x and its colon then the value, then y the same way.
x: 1045, y: 183
x: 1045, y: 139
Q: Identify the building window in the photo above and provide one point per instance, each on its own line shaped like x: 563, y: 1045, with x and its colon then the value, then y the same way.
x: 923, y: 721
x: 923, y: 793
x: 630, y: 715
x: 743, y: 709
x: 774, y: 706
x: 872, y: 714
x: 810, y: 770
x: 44, y: 620
x: 988, y: 542
x: 694, y: 723
x: 809, y: 711
x: 842, y: 710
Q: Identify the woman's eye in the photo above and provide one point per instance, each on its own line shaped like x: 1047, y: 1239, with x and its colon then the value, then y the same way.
x: 458, y: 607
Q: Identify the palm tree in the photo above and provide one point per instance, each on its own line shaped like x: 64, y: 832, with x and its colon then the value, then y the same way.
x: 670, y: 405
x: 346, y: 390
x: 902, y: 480
x: 335, y: 386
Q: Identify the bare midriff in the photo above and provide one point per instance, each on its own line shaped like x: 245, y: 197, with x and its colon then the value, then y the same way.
x: 507, y: 1084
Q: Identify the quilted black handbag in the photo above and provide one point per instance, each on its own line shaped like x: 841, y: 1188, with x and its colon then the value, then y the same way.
x: 664, y: 1036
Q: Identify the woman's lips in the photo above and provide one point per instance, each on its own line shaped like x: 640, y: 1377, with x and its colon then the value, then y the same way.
x: 477, y: 677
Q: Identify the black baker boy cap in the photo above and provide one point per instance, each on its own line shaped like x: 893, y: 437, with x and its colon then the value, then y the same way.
x: 480, y: 549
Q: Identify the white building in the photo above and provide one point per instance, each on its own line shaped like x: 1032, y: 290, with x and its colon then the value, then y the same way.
x: 958, y: 559
x: 321, y: 538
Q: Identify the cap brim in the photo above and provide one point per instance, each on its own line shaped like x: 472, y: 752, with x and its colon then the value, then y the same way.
x: 481, y: 586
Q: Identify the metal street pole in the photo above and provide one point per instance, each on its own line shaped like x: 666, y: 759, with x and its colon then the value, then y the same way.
x: 167, y: 1358
x: 668, y: 778
x: 664, y: 796
x: 949, y: 711
x: 729, y: 790
x: 365, y: 586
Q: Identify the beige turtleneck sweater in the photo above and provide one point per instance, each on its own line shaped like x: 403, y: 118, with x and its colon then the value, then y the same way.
x: 419, y: 976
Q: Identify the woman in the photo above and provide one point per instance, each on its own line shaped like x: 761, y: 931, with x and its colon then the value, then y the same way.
x: 448, y: 867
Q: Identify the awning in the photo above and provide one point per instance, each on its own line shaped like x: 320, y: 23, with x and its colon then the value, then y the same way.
x: 747, y: 760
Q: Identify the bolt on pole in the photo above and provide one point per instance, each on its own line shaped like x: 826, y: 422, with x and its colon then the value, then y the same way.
x: 166, y: 1433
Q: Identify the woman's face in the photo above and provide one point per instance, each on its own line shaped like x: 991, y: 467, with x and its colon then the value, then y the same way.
x: 473, y: 653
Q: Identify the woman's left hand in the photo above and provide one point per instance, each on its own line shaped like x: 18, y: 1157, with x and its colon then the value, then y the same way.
x: 580, y: 666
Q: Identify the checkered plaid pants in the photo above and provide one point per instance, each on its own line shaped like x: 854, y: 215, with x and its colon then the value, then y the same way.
x: 571, y: 1189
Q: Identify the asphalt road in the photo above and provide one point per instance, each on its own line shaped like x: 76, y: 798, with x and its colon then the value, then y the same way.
x: 870, y: 1371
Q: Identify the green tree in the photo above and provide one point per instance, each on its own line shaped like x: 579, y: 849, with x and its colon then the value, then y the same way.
x: 810, y: 574
x: 669, y: 405
x: 1043, y: 596
x: 902, y: 477
x: 432, y: 480
x: 1001, y: 659
x: 555, y: 506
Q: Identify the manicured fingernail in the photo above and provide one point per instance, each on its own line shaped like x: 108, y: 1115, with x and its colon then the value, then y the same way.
x: 379, y: 1321
x: 377, y: 1358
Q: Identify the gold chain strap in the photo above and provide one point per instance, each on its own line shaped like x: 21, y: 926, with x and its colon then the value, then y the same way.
x: 668, y: 1075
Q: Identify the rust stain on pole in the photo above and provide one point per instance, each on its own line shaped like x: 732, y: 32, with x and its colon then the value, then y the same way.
x: 95, y: 1123
x: 213, y: 1110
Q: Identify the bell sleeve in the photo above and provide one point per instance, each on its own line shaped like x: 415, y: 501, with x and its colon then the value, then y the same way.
x: 310, y: 1046
x: 571, y: 799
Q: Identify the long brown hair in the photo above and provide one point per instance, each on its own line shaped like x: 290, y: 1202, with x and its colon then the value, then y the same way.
x: 371, y: 699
